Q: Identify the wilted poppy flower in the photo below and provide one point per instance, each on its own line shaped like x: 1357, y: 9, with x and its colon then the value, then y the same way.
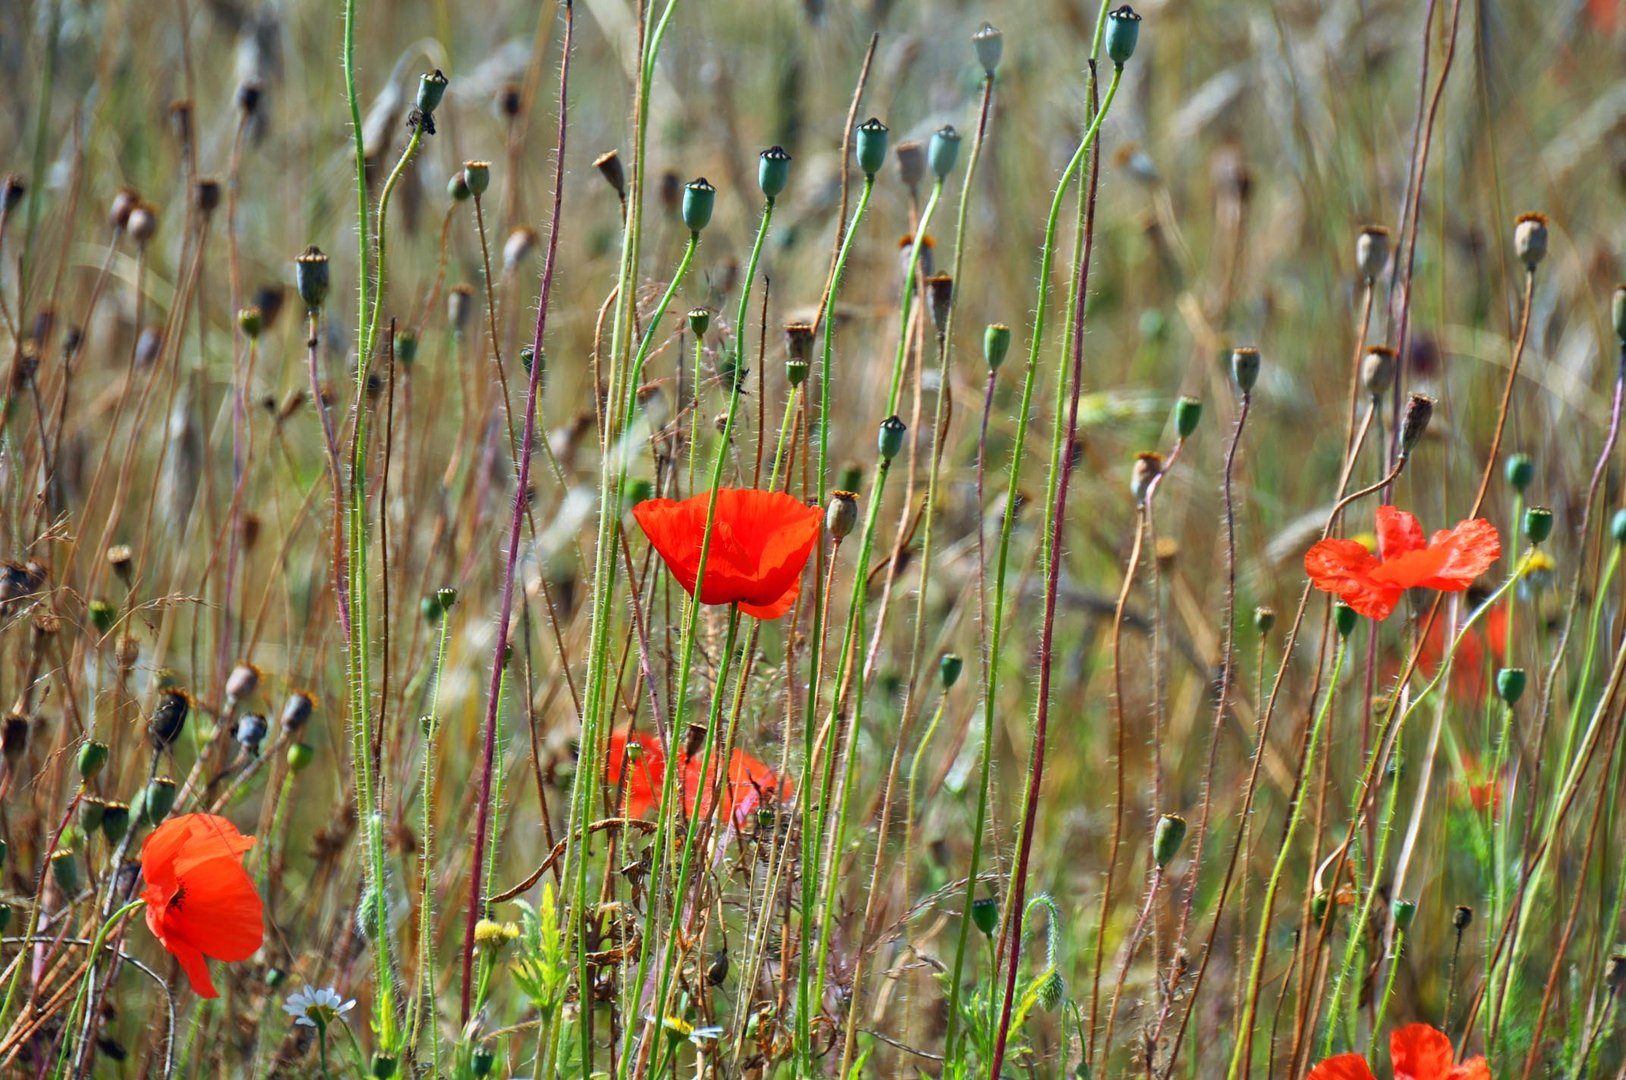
x: 760, y: 542
x: 1372, y: 584
x: 1416, y: 1052
x: 643, y: 770
x: 200, y: 900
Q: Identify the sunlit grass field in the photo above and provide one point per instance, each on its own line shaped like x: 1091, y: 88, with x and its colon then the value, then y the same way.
x: 1032, y: 393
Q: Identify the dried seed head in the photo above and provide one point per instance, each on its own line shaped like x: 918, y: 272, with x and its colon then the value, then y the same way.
x: 1245, y: 365
x: 609, y: 166
x: 1530, y: 239
x: 12, y: 190
x: 207, y: 194
x: 521, y: 243
x: 1419, y: 411
x: 142, y: 223
x: 148, y: 346
x: 180, y: 119
x: 1462, y: 916
x: 1372, y: 251
x: 927, y: 263
x: 242, y: 682
x: 799, y: 341
x: 251, y: 729
x: 249, y: 96
x: 989, y: 44
x: 125, y: 200
x: 1614, y: 974
x: 911, y: 163
x: 311, y: 278
x: 14, y: 731
x: 459, y: 306
x: 296, y: 712
x: 841, y: 517
x: 1148, y: 467
x: 940, y: 288
x: 1378, y: 370
x: 169, y: 717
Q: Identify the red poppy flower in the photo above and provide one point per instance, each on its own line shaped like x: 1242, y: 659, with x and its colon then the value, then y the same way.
x: 1478, y: 654
x: 200, y: 900
x: 1416, y: 1052
x: 747, y: 783
x: 1373, y: 584
x: 760, y: 541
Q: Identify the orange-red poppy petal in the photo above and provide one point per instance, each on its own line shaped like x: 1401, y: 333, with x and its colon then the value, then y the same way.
x: 642, y: 774
x: 760, y: 542
x: 1398, y: 532
x: 1469, y: 550
x: 1476, y: 1068
x: 196, y: 967
x: 1342, y: 1067
x: 1420, y: 1052
x: 1346, y: 569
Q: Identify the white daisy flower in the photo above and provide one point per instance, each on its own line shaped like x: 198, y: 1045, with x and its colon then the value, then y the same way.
x: 316, y: 1008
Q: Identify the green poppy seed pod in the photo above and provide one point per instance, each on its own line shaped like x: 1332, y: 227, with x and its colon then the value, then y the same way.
x: 637, y: 489
x: 990, y: 46
x: 949, y: 668
x: 1372, y: 252
x: 102, y: 616
x: 1147, y: 468
x: 871, y: 146
x: 985, y: 914
x: 1123, y: 31
x: 1264, y: 618
x: 431, y: 88
x: 942, y: 151
x: 699, y: 199
x: 447, y: 597
x: 850, y: 479
x: 477, y: 176
x: 1530, y: 239
x: 911, y: 163
x: 406, y: 347
x: 1344, y: 618
x: 92, y: 757
x: 482, y: 1061
x: 1051, y: 991
x: 65, y: 871
x: 157, y: 800
x: 940, y: 290
x: 90, y: 815
x: 609, y: 166
x: 430, y: 609
x: 1618, y: 311
x: 841, y: 516
x: 1520, y: 470
x: 1614, y: 973
x: 311, y: 277
x: 996, y: 342
x: 1462, y: 916
x: 383, y: 1066
x: 251, y: 320
x: 1188, y: 411
x: 1414, y: 421
x: 457, y: 188
x: 890, y: 439
x: 300, y: 755
x: 1510, y: 682
x: 168, y: 718
x: 115, y: 821
x: 1402, y: 912
x: 699, y: 321
x: 12, y: 191
x: 795, y: 372
x: 14, y: 731
x: 1617, y: 527
x: 773, y: 171
x: 1245, y: 367
x: 1538, y: 524
x: 1167, y: 837
x: 1378, y: 370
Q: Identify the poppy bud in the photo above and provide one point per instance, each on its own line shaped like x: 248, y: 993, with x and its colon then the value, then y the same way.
x: 14, y: 731
x: 985, y: 914
x: 168, y: 718
x: 940, y: 288
x: 12, y: 191
x: 841, y: 517
x: 1343, y: 617
x: 1372, y: 251
x: 1148, y: 467
x: 65, y: 871
x: 996, y: 342
x: 1123, y: 31
x: 1530, y: 239
x: 1050, y: 991
x: 699, y: 199
x: 609, y: 166
x: 1520, y: 471
x: 296, y: 712
x: 1462, y: 916
x: 1538, y: 523
x: 949, y: 668
x: 1245, y: 367
x: 102, y: 616
x: 521, y: 242
x: 1264, y: 618
x: 1419, y: 411
x: 155, y: 801
x: 1614, y: 974
x: 1402, y: 912
x: 942, y: 151
x: 890, y: 439
x: 1378, y: 370
x: 1617, y: 527
x: 143, y: 223
x: 431, y: 88
x: 990, y: 46
x: 457, y: 189
x: 773, y: 171
x: 1510, y: 684
x: 1167, y: 837
x: 1618, y: 312
x: 1187, y: 412
x: 243, y: 681
x: 477, y: 176
x: 911, y: 163
x: 300, y: 755
x: 92, y: 756
x: 311, y: 277
x: 871, y: 146
x: 251, y: 729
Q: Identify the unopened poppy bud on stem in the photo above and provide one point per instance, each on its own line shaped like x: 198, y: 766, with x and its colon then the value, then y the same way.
x: 1372, y: 252
x: 457, y: 189
x: 1520, y: 471
x: 949, y: 668
x: 699, y: 199
x: 92, y: 757
x: 1419, y: 411
x: 1510, y: 683
x: 985, y: 914
x: 1147, y: 468
x: 1402, y: 912
x: 1344, y: 618
x: 1245, y: 364
x: 168, y: 718
x: 1167, y: 837
x: 1378, y: 370
x: 1530, y: 239
x: 996, y: 342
